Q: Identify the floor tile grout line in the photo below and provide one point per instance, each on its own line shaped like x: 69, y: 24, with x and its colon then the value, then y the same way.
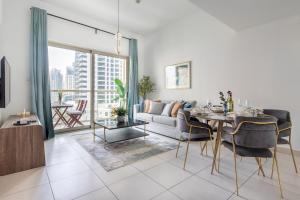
x: 29, y: 188
x: 105, y: 185
x: 167, y: 161
x: 168, y: 189
x: 50, y: 184
x: 23, y: 190
x: 138, y: 172
x: 82, y: 195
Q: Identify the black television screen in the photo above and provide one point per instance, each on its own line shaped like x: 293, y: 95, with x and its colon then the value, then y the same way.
x: 4, y: 83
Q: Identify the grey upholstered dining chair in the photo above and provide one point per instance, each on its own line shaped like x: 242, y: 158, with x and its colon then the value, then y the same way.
x: 191, y: 130
x: 253, y: 137
x: 285, y: 130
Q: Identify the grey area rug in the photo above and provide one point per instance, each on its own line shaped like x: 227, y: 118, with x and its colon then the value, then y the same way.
x: 116, y: 155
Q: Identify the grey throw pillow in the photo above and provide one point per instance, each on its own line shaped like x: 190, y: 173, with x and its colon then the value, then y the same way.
x: 168, y: 109
x: 156, y: 108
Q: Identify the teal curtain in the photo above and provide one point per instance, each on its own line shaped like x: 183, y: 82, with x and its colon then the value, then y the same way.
x: 133, y: 95
x: 40, y: 84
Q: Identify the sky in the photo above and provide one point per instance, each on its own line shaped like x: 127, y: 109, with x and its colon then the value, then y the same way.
x: 60, y: 58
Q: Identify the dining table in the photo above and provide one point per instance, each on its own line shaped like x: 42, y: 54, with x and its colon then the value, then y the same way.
x: 220, y: 118
x: 60, y: 110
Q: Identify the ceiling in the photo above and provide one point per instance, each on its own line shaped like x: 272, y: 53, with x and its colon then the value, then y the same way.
x: 150, y: 15
x: 141, y: 18
x: 242, y: 14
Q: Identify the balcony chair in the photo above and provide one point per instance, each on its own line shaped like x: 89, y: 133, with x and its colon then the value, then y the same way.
x: 253, y: 137
x: 192, y: 130
x: 75, y: 115
x: 285, y: 130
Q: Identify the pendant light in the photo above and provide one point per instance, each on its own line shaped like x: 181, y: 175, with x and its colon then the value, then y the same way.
x: 118, y: 35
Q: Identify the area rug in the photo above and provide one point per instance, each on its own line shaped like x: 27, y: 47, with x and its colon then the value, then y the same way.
x: 116, y: 155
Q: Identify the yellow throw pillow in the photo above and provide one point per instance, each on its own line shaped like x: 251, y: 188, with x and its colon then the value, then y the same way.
x: 175, y: 109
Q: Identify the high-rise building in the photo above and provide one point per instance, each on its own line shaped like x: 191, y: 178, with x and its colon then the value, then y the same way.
x: 81, y: 75
x: 70, y: 78
x: 56, y: 79
x: 56, y: 82
x: 69, y: 84
x: 107, y: 69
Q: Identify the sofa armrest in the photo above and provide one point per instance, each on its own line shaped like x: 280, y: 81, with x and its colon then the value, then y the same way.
x: 136, y: 109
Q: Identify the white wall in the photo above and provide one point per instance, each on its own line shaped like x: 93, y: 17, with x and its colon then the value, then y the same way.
x: 259, y: 64
x: 1, y: 11
x: 15, y: 34
x: 1, y: 54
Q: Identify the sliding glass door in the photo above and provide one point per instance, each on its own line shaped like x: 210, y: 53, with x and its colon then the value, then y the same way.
x: 82, y: 85
x: 107, y: 68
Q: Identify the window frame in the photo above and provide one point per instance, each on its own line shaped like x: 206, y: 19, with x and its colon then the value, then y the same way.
x: 92, y: 90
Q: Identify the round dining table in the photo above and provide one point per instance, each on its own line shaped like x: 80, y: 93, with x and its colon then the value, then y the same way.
x: 221, y: 119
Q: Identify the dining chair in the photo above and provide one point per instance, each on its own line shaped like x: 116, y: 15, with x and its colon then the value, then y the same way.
x: 253, y: 137
x: 75, y: 115
x: 192, y: 130
x: 284, y: 124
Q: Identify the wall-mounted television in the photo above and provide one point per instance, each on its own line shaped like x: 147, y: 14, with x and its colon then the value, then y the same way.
x: 4, y: 83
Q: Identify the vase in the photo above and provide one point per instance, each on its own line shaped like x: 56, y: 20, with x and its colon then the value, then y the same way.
x: 225, y: 109
x: 120, y: 119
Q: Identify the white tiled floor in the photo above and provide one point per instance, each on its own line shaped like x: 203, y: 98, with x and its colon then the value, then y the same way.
x: 71, y: 173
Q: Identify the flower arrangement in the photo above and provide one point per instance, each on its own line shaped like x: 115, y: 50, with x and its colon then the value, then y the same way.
x: 226, y: 101
x: 222, y: 97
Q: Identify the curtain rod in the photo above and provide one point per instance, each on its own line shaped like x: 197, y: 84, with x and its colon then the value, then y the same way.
x: 85, y: 25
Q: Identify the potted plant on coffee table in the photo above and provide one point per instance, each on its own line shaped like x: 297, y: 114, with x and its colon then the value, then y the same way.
x: 120, y: 114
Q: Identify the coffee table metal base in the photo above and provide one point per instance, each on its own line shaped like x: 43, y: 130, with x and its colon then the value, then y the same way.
x: 119, y: 135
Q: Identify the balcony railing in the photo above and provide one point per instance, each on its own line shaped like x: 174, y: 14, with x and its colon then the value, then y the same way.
x: 102, y: 105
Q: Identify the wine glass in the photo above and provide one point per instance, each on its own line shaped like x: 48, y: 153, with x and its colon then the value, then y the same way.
x: 239, y: 102
x: 208, y: 104
x: 246, y: 104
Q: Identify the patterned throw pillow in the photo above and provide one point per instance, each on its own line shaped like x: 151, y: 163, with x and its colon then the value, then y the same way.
x: 175, y: 109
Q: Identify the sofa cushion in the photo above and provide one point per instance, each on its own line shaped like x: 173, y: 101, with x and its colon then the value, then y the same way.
x: 170, y: 121
x: 156, y: 108
x: 144, y: 117
x: 147, y: 105
x: 168, y: 109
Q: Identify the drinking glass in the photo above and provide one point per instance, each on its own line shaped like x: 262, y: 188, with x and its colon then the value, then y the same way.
x: 208, y: 104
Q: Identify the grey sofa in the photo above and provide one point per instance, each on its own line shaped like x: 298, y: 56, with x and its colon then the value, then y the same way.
x: 159, y: 124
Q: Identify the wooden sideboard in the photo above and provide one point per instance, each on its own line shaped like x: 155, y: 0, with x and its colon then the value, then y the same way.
x: 21, y: 147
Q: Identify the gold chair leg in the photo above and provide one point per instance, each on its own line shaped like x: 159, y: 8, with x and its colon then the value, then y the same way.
x: 235, y: 169
x: 273, y: 163
x: 292, y: 152
x: 206, y: 148
x: 219, y: 158
x: 186, y: 153
x: 277, y: 169
x: 178, y: 146
x: 212, y: 148
x: 201, y: 148
x: 260, y: 168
